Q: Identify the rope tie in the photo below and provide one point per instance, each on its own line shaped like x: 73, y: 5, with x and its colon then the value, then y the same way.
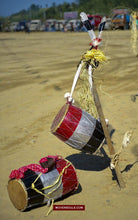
x: 114, y: 161
x: 115, y: 158
x: 58, y: 182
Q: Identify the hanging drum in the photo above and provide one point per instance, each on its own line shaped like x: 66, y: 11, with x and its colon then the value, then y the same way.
x: 78, y: 129
x: 28, y: 188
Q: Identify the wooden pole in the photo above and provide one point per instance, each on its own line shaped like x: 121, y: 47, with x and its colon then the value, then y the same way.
x: 98, y: 104
x: 107, y: 136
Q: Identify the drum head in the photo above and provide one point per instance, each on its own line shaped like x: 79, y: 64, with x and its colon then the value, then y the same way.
x: 17, y: 194
x: 59, y: 118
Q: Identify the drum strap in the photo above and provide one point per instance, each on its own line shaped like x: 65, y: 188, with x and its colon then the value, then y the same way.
x: 76, y: 79
x: 58, y: 182
x: 90, y: 77
x: 93, y: 58
x: 69, y: 95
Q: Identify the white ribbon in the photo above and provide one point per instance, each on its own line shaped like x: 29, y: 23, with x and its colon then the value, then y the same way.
x: 76, y: 79
x: 90, y: 70
x: 69, y: 95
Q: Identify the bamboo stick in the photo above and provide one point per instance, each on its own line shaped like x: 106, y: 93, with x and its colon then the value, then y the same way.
x: 107, y: 136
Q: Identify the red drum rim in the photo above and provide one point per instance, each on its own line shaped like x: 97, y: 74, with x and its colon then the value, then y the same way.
x: 59, y: 117
x: 17, y: 193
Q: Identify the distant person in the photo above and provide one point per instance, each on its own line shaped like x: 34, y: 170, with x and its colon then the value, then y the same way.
x: 72, y: 26
x: 64, y: 28
x: 82, y: 27
x: 92, y: 23
x: 137, y: 22
x: 53, y: 27
x: 127, y: 22
x: 47, y: 27
x: 26, y: 28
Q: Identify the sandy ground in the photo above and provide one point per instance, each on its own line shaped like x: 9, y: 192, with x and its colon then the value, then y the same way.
x: 35, y: 72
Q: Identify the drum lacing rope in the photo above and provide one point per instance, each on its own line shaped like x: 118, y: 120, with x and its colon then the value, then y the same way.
x: 115, y: 158
x: 59, y: 181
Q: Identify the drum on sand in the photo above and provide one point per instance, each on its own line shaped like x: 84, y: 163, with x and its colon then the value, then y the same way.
x: 78, y: 129
x: 54, y: 184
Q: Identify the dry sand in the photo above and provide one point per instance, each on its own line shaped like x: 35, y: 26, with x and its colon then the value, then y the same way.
x: 36, y: 70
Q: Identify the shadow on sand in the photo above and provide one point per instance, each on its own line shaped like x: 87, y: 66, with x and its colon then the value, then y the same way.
x: 90, y: 162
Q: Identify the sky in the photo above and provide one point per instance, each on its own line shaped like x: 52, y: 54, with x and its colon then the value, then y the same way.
x: 8, y: 7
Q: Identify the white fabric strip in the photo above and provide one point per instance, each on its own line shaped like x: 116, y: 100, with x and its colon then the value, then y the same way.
x: 90, y: 71
x: 48, y: 179
x: 75, y: 79
x: 92, y: 35
x: 83, y: 131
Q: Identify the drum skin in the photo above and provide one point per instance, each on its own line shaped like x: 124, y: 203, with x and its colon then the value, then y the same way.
x: 78, y: 129
x: 21, y: 194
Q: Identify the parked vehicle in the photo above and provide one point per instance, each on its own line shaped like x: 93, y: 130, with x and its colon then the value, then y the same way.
x: 13, y: 26
x: 121, y: 19
x: 21, y: 26
x: 35, y: 25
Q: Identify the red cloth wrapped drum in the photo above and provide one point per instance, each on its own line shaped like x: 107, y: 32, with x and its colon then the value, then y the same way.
x: 36, y: 188
x: 78, y: 129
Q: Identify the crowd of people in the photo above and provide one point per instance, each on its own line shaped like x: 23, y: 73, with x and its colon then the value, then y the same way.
x: 65, y: 26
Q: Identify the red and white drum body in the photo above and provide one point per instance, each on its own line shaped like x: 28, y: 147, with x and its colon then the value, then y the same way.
x: 66, y: 184
x: 49, y: 179
x: 78, y: 129
x: 59, y: 182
